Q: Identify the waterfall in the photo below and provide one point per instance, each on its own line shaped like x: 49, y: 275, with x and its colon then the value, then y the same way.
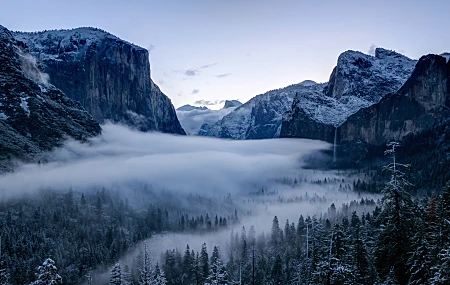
x: 334, y: 144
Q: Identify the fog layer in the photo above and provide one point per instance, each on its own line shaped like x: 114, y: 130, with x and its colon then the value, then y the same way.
x: 175, y: 163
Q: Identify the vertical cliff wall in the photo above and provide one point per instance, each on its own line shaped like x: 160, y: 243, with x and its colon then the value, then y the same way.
x: 108, y: 76
x: 422, y: 103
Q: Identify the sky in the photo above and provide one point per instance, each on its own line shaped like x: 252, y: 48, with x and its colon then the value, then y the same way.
x: 206, y: 51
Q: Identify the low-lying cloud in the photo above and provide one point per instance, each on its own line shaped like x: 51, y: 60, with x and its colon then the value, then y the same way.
x: 174, y: 163
x: 191, y: 121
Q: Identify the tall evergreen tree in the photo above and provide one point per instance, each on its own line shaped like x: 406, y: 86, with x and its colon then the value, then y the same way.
x: 396, y: 220
x: 47, y: 274
x: 115, y: 276
x: 146, y: 268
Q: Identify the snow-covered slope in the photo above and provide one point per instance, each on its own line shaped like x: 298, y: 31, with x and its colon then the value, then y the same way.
x: 261, y: 116
x: 358, y: 81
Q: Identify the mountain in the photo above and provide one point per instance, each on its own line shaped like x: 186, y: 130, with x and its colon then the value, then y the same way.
x: 260, y: 117
x: 231, y: 104
x: 35, y: 116
x: 188, y: 107
x: 358, y: 81
x: 108, y: 76
x: 420, y: 105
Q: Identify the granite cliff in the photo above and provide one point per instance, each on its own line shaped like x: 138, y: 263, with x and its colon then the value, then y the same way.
x: 108, y: 76
x: 421, y: 104
x: 358, y: 81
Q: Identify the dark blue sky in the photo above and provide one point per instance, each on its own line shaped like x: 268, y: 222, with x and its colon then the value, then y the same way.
x: 236, y: 49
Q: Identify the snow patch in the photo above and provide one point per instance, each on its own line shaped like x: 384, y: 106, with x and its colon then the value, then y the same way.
x: 24, y: 105
x: 3, y: 116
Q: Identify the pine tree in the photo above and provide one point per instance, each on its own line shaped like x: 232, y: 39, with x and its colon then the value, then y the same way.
x: 159, y: 276
x: 204, y: 264
x: 217, y: 274
x: 146, y: 268
x: 47, y: 274
x: 188, y: 263
x: 442, y: 275
x: 4, y: 275
x: 115, y: 276
x: 396, y: 219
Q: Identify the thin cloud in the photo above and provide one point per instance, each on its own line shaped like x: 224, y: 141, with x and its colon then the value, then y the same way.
x: 208, y: 65
x: 195, y: 71
x: 195, y: 91
x: 223, y: 75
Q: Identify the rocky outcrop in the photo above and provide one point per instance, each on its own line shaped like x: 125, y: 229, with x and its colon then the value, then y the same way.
x: 420, y: 104
x: 108, y: 76
x: 231, y: 104
x: 357, y: 81
x: 35, y: 116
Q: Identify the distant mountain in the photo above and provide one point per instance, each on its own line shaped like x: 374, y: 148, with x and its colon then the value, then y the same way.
x: 35, y: 116
x: 108, y: 76
x: 261, y: 116
x: 231, y: 104
x: 188, y: 107
x: 358, y: 81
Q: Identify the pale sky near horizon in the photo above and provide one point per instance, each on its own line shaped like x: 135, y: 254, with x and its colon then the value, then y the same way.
x: 235, y: 49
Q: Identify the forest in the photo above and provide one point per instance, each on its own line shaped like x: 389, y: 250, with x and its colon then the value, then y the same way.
x: 80, y: 238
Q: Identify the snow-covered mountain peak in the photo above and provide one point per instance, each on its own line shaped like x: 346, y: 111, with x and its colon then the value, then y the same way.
x: 83, y: 35
x: 358, y: 80
x: 382, y: 53
x: 369, y: 77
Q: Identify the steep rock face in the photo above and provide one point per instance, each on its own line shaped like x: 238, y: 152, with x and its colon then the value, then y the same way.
x: 34, y: 115
x: 421, y: 103
x: 231, y: 104
x: 358, y: 81
x: 108, y: 76
x: 259, y: 118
